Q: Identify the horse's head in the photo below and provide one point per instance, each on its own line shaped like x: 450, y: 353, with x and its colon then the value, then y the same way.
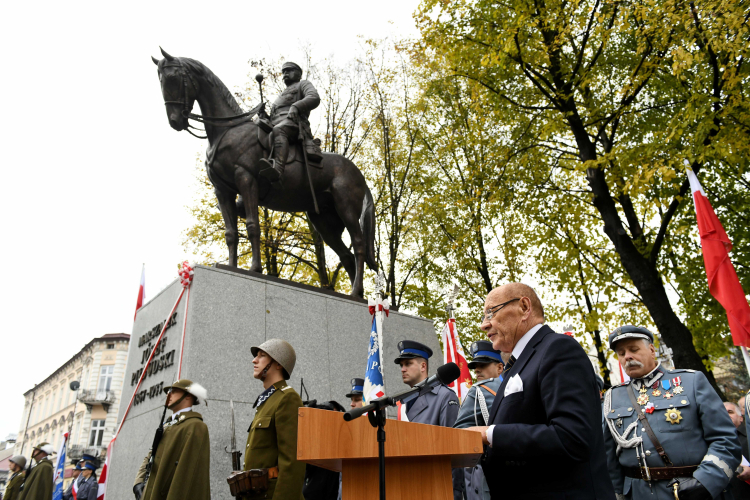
x: 178, y: 87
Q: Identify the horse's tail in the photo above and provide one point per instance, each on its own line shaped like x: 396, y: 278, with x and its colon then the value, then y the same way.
x: 367, y: 223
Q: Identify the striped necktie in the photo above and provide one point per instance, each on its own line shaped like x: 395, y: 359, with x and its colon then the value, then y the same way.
x: 510, y: 364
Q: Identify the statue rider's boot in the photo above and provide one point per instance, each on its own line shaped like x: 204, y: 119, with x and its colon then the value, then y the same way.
x: 273, y: 170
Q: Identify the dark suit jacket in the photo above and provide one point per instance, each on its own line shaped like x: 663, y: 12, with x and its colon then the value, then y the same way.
x: 547, y: 442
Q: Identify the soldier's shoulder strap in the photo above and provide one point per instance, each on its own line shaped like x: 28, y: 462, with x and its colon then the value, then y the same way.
x: 682, y: 370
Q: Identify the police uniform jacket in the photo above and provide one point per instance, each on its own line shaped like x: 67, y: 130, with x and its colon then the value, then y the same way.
x: 302, y: 94
x: 437, y: 407
x: 470, y: 415
x: 13, y: 489
x: 181, y: 464
x: 272, y: 442
x: 38, y: 484
x: 703, y: 435
x: 88, y: 489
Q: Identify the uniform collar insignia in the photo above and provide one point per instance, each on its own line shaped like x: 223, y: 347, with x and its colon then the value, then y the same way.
x: 650, y: 379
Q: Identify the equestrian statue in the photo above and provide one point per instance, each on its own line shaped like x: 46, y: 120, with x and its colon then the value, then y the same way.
x: 254, y: 159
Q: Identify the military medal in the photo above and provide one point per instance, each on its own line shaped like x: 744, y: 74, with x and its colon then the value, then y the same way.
x: 666, y: 384
x: 643, y: 399
x: 656, y: 393
x: 649, y: 408
x: 643, y: 390
x: 667, y: 395
x: 677, y: 381
x: 673, y: 416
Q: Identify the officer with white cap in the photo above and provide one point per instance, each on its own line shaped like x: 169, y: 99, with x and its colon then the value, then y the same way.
x: 16, y: 465
x: 38, y: 484
x: 666, y: 432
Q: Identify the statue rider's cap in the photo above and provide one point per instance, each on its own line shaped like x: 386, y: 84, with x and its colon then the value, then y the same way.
x: 408, y: 349
x: 358, y: 387
x: 629, y: 332
x: 482, y: 352
x: 291, y: 65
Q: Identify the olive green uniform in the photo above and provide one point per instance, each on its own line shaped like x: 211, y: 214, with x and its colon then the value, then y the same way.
x: 181, y: 465
x: 272, y: 442
x: 13, y: 489
x: 38, y: 485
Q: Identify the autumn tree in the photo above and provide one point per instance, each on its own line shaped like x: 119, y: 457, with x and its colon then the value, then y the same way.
x: 615, y: 97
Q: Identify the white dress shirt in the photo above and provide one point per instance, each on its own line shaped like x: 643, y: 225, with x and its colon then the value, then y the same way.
x: 517, y: 350
x: 174, y: 415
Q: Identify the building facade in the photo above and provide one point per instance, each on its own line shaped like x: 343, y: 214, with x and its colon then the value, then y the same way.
x: 89, y: 412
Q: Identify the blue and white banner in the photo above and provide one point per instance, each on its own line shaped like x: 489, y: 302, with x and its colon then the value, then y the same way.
x: 57, y: 492
x: 374, y: 373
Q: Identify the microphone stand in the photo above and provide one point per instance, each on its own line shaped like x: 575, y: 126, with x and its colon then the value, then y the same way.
x: 376, y: 415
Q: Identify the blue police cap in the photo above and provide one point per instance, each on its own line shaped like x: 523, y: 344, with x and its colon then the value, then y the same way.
x: 78, y: 466
x: 358, y: 387
x: 88, y: 458
x: 408, y: 349
x: 90, y: 466
x: 629, y: 332
x: 483, y: 352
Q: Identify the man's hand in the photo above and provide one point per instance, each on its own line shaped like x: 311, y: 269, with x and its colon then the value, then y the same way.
x: 745, y: 474
x: 482, y: 430
x: 293, y: 113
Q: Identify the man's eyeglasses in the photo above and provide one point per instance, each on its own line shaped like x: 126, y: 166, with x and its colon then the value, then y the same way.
x: 489, y: 313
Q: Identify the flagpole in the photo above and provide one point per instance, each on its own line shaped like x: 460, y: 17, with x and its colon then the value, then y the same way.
x: 746, y: 357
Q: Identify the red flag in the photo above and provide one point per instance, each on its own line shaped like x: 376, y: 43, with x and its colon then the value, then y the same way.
x: 103, y: 475
x: 723, y: 282
x: 453, y: 351
x: 141, y: 292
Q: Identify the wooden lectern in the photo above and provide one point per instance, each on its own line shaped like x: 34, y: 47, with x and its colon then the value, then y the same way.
x: 418, y: 457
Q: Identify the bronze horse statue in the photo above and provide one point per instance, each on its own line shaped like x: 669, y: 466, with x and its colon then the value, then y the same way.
x: 236, y: 145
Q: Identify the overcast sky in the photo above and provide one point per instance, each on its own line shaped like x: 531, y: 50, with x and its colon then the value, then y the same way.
x: 94, y: 181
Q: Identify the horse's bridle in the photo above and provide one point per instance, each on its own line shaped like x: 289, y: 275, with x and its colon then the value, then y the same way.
x: 223, y: 121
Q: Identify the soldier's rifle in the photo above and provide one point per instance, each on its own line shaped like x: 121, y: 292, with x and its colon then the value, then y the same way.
x: 155, y: 445
x: 236, y: 454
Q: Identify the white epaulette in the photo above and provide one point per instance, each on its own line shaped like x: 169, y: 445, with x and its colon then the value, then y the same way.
x: 285, y: 388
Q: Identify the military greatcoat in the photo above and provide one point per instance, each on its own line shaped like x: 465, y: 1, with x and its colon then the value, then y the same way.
x: 272, y: 442
x: 13, y: 489
x: 472, y: 414
x: 181, y: 465
x: 302, y: 94
x: 38, y: 485
x: 700, y: 433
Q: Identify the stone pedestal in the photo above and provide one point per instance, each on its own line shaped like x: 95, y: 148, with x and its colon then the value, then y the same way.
x: 228, y: 312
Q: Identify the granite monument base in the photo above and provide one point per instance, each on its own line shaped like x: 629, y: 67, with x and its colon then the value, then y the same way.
x: 228, y: 312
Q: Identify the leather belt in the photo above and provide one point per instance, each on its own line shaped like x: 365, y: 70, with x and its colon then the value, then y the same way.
x: 660, y: 473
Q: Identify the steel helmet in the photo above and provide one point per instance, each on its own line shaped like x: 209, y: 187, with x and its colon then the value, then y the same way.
x: 280, y: 351
x: 19, y: 460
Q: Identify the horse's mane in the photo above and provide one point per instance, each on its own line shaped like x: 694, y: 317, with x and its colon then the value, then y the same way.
x: 200, y: 69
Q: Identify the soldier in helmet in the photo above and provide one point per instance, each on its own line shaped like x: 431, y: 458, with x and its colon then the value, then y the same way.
x: 16, y: 465
x: 666, y: 433
x: 272, y: 439
x: 358, y: 385
x: 38, y: 484
x: 487, y: 363
x: 289, y: 112
x: 180, y: 469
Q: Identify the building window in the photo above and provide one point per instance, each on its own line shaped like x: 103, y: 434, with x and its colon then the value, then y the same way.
x: 105, y: 381
x: 97, y: 433
x: 111, y: 346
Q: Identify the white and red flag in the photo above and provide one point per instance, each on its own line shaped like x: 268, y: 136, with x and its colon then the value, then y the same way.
x: 103, y: 474
x: 723, y: 282
x: 453, y: 352
x: 141, y: 292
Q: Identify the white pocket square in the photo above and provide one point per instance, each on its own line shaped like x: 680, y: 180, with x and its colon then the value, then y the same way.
x: 514, y: 385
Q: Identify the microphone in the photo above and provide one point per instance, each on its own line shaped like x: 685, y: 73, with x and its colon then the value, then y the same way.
x: 444, y: 375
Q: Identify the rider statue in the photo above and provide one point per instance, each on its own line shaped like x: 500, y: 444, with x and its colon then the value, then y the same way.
x: 289, y: 112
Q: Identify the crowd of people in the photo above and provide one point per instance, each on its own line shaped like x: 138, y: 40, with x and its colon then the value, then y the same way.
x: 36, y: 483
x: 549, y: 431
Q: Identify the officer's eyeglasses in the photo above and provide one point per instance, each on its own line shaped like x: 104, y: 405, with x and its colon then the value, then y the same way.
x: 489, y: 313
